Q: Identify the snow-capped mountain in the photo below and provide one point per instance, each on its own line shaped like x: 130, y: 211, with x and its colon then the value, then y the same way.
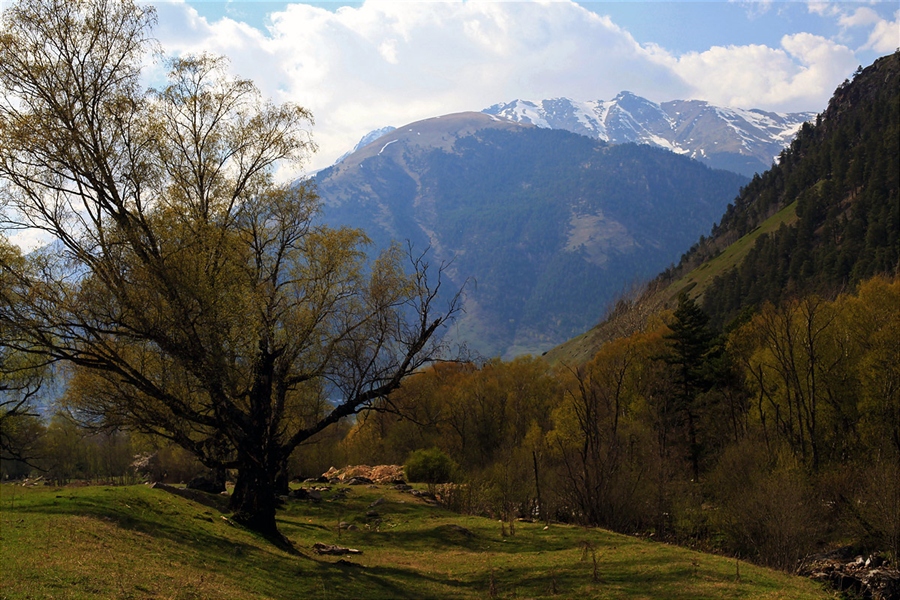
x: 744, y: 141
x: 366, y: 140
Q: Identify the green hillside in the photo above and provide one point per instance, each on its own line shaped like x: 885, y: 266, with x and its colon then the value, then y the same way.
x: 698, y: 280
x: 138, y: 542
x: 843, y: 178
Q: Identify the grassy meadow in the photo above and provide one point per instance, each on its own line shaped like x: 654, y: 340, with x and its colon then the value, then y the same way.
x: 138, y: 542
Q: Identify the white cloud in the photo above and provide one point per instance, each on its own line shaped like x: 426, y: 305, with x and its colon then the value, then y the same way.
x: 28, y: 240
x: 755, y: 8
x: 390, y: 63
x: 800, y: 75
x: 885, y: 36
x: 824, y: 9
x: 859, y: 18
x: 381, y: 63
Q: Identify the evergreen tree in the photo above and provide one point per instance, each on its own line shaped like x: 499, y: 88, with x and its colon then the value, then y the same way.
x: 690, y: 345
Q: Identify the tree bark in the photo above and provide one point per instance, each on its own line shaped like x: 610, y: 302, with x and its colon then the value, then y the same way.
x: 254, y: 500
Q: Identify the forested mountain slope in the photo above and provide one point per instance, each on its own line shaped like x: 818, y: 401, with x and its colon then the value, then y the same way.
x: 843, y: 177
x: 545, y: 225
x: 824, y: 218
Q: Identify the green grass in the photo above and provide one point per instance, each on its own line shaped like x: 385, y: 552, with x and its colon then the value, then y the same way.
x: 137, y: 542
x: 699, y: 279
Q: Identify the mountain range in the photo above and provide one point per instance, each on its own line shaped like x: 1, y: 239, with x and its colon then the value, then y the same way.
x: 544, y: 227
x: 736, y: 139
x: 744, y: 141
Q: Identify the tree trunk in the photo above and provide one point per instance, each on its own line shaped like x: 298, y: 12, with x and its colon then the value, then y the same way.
x: 537, y: 485
x: 220, y: 477
x: 283, y: 479
x: 254, y: 501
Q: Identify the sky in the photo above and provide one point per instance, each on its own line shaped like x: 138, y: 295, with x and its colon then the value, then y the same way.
x: 363, y: 66
x: 366, y: 65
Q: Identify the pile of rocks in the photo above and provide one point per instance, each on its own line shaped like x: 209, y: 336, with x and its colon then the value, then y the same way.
x: 866, y: 577
x: 364, y: 474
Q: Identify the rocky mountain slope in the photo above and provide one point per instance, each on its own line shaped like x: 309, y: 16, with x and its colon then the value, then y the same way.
x: 546, y: 226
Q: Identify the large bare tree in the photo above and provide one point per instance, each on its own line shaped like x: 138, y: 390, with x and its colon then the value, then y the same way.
x: 197, y: 300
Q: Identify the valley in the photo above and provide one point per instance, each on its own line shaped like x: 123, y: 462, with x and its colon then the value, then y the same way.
x: 611, y: 349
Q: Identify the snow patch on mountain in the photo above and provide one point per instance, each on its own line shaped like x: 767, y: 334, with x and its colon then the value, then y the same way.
x: 739, y: 139
x: 386, y: 145
x: 366, y: 140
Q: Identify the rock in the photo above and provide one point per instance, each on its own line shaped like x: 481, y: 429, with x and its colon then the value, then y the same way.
x: 305, y: 494
x: 299, y: 494
x: 459, y: 529
x: 346, y: 563
x: 885, y: 584
x: 358, y: 481
x: 378, y: 502
x: 331, y: 549
x: 857, y: 575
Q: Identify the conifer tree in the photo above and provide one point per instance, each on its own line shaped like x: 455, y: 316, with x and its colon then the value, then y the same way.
x: 690, y: 344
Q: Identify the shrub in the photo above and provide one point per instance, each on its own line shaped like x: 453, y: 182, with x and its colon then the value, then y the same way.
x: 430, y: 466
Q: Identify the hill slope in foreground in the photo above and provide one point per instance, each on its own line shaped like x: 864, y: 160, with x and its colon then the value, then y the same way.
x: 138, y: 542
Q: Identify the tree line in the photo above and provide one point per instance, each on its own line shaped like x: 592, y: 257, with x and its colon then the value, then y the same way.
x: 840, y: 177
x: 768, y: 441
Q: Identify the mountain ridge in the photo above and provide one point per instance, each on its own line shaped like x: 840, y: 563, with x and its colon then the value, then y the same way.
x: 746, y: 141
x: 546, y: 225
x: 741, y: 140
